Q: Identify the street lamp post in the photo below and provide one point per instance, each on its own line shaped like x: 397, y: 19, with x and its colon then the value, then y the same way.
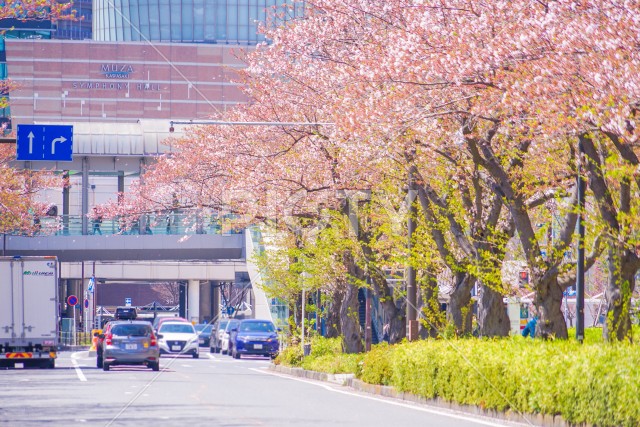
x: 580, y: 261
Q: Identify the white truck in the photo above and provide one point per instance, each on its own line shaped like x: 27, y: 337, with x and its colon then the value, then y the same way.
x: 28, y: 311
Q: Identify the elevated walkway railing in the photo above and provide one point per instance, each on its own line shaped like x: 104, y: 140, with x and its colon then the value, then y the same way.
x: 158, y: 224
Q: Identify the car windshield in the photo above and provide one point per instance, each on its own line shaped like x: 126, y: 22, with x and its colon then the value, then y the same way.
x: 179, y: 328
x: 257, y: 327
x: 205, y: 328
x: 131, y: 330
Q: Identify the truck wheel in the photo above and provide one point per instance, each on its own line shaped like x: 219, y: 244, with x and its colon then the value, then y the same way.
x: 105, y: 366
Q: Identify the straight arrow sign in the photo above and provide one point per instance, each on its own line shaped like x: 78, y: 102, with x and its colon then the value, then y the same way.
x: 44, y: 143
x: 31, y: 135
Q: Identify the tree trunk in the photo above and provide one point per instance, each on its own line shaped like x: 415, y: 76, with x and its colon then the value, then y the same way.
x: 431, y: 318
x: 459, y: 308
x: 333, y: 313
x: 621, y: 284
x: 551, y: 321
x: 492, y: 315
x: 349, y: 326
x: 396, y: 316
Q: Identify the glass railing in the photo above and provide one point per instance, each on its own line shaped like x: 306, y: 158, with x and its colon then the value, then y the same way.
x: 158, y: 224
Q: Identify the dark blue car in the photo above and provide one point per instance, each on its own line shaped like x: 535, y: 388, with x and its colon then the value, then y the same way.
x: 254, y: 337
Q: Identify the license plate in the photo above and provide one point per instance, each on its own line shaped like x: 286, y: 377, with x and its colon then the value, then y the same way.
x: 175, y: 348
x: 257, y: 346
x: 130, y: 346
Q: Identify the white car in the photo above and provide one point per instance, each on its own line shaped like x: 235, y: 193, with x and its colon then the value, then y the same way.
x: 178, y: 338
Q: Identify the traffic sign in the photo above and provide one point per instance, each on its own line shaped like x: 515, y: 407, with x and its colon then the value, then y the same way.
x: 45, y: 142
x: 72, y: 300
x: 86, y: 303
x: 127, y: 302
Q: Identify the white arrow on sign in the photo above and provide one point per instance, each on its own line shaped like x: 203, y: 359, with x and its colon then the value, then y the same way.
x: 31, y: 136
x: 53, y: 143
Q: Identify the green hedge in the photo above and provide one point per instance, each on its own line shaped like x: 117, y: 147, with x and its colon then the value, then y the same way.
x: 596, y: 384
x: 593, y: 383
x: 326, y: 356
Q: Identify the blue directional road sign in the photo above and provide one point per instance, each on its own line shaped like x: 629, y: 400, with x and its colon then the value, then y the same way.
x: 45, y: 142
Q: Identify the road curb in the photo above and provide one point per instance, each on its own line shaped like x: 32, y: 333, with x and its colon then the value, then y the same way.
x: 349, y: 380
x: 73, y: 347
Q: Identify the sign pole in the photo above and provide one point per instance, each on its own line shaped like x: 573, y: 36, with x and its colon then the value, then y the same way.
x: 73, y: 331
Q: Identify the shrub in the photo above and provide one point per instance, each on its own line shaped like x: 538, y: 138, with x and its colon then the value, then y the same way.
x: 376, y: 365
x: 321, y: 346
x: 333, y: 363
x: 290, y: 356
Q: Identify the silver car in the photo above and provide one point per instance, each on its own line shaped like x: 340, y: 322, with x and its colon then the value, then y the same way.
x: 130, y: 342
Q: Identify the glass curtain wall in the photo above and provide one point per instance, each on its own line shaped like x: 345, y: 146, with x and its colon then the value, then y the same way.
x: 187, y: 21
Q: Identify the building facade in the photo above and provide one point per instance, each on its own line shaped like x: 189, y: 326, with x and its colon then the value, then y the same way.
x: 76, y: 81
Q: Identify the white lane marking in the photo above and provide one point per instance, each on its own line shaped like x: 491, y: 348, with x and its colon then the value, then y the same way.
x: 186, y: 366
x: 389, y: 402
x: 74, y: 362
x: 81, y: 355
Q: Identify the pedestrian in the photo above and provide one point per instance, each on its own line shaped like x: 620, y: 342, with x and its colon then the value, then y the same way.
x: 530, y: 328
x: 97, y: 221
x: 168, y: 218
x: 36, y: 224
x: 385, y: 332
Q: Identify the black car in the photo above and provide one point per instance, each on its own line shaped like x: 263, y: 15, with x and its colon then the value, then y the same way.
x: 204, y: 332
x: 126, y: 313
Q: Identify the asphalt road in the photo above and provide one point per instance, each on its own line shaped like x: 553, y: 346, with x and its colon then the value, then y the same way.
x: 214, y: 390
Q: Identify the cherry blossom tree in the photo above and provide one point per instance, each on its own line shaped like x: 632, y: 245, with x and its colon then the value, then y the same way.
x: 483, y: 102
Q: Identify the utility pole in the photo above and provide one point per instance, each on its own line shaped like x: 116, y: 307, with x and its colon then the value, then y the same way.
x: 580, y: 261
x: 367, y: 317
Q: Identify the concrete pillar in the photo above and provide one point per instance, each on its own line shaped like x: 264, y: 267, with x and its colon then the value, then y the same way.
x: 205, y: 300
x: 65, y: 204
x: 69, y: 291
x: 85, y: 195
x: 215, y: 300
x: 193, y: 301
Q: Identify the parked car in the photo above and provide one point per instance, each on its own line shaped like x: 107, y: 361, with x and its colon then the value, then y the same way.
x: 129, y: 342
x: 204, y: 331
x: 255, y: 337
x: 226, y: 335
x: 160, y: 319
x: 216, y: 336
x: 178, y: 338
